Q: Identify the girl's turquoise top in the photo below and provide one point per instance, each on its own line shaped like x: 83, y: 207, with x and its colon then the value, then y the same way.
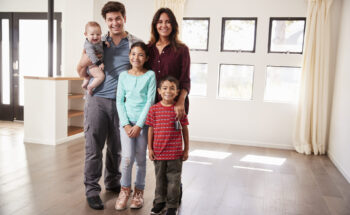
x: 135, y: 95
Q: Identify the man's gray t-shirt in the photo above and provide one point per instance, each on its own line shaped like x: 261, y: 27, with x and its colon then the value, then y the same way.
x: 116, y: 60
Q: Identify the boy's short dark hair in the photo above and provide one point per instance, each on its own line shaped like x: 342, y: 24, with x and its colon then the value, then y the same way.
x: 113, y: 6
x: 170, y: 79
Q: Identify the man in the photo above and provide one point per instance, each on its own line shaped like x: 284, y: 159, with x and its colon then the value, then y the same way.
x: 101, y: 117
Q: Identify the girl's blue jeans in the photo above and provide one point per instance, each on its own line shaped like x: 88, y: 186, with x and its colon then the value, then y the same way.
x: 134, y: 149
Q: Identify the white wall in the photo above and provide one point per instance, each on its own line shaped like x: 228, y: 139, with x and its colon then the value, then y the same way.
x: 243, y: 122
x: 74, y: 16
x: 339, y: 147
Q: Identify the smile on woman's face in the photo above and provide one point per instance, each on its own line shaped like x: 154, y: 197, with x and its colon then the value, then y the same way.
x: 164, y: 26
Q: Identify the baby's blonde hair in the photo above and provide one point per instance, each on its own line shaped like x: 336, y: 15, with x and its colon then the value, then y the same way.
x: 92, y: 24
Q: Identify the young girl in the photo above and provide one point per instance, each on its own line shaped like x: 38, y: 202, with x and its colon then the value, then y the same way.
x: 135, y: 95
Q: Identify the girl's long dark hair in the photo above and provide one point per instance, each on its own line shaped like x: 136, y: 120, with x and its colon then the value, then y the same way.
x: 144, y: 47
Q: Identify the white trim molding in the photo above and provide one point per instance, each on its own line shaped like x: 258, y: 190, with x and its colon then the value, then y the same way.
x: 243, y: 142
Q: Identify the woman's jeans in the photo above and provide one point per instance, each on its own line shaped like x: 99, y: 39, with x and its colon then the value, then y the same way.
x: 134, y: 149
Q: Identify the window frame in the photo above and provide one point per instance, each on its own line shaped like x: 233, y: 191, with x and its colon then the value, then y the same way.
x: 200, y: 18
x: 285, y: 19
x: 224, y: 19
x: 235, y: 99
x: 275, y: 101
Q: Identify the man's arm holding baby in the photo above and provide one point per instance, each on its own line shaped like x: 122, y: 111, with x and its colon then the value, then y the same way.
x: 89, y: 57
x: 84, y: 62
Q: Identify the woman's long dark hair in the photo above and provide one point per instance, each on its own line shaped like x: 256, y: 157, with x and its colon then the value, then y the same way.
x: 173, y: 37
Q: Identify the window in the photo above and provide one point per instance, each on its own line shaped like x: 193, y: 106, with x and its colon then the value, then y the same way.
x: 286, y: 35
x: 282, y: 84
x: 236, y: 81
x: 195, y: 33
x: 199, y: 73
x: 238, y: 34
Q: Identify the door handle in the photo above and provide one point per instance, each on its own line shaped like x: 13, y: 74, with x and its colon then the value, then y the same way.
x: 15, y: 65
x: 16, y: 74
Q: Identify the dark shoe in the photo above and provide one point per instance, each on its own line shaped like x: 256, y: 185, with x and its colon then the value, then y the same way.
x: 180, y: 198
x: 95, y: 202
x: 114, y: 189
x: 171, y: 211
x: 158, y: 208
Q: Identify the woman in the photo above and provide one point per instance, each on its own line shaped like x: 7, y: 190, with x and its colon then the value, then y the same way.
x: 169, y: 56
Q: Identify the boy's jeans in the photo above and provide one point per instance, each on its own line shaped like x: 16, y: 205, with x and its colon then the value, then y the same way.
x: 134, y: 149
x: 168, y: 180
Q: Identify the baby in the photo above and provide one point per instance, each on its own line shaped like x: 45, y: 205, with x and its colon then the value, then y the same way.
x: 94, y: 49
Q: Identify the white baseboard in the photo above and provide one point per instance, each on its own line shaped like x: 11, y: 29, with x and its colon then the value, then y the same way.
x: 53, y: 142
x: 339, y: 166
x: 39, y: 141
x: 70, y: 138
x: 242, y: 142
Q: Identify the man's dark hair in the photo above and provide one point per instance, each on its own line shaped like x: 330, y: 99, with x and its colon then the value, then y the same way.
x: 170, y: 79
x: 113, y: 6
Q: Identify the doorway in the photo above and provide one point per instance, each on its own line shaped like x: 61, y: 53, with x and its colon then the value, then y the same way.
x: 24, y: 52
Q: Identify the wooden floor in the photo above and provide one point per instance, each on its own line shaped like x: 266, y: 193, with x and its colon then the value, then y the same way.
x: 48, y: 180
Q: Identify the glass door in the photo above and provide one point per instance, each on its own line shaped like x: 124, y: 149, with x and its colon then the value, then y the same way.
x: 29, y: 55
x: 6, y: 107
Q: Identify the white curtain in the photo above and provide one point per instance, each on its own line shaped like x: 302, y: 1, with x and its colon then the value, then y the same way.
x: 177, y: 6
x: 310, y: 134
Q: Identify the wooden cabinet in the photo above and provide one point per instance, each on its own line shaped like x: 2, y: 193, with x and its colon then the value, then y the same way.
x: 53, y: 109
x: 75, y: 107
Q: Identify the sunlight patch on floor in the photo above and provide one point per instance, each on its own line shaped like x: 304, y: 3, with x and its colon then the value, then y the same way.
x: 209, y: 154
x: 253, y: 168
x: 199, y: 162
x: 263, y: 159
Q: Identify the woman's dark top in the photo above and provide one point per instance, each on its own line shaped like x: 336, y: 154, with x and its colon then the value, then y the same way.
x: 174, y: 63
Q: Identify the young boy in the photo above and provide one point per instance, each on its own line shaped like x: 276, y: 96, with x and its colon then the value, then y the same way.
x: 93, y: 47
x: 165, y: 147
